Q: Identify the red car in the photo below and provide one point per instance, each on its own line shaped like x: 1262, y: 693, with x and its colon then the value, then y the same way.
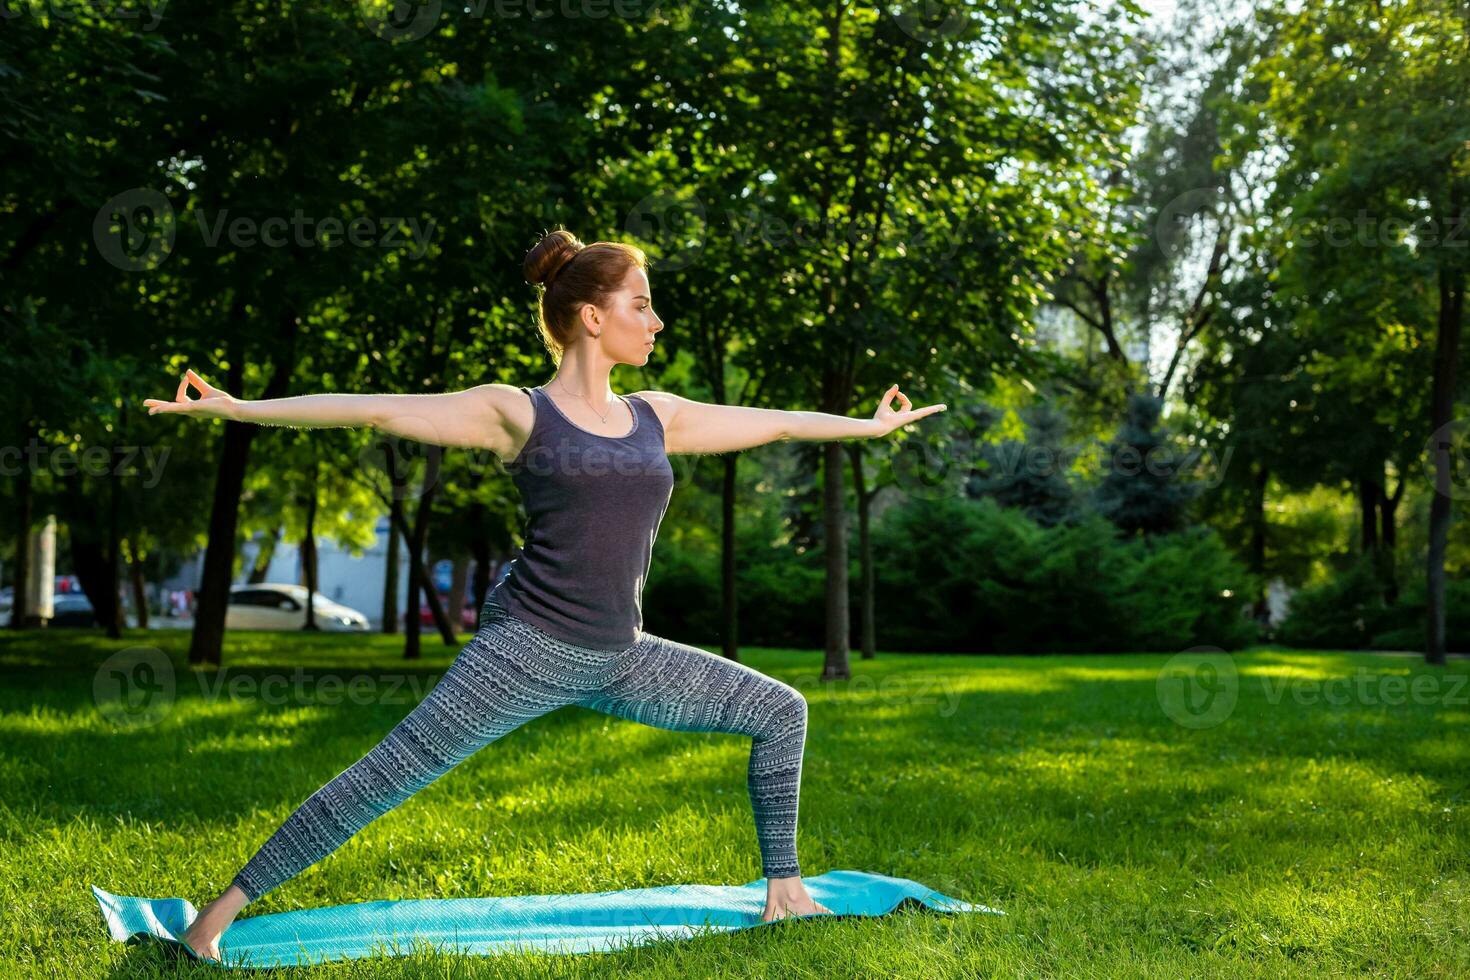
x: 469, y: 616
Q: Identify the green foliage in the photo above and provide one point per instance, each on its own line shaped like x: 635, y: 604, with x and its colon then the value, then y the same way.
x: 1348, y: 611
x: 1030, y: 474
x: 1404, y: 620
x: 1342, y: 612
x: 1142, y: 490
x: 978, y: 577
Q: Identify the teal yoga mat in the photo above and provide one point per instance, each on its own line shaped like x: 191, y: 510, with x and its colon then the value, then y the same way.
x: 579, y: 923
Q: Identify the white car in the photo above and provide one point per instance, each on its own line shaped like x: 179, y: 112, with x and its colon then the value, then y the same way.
x: 283, y: 607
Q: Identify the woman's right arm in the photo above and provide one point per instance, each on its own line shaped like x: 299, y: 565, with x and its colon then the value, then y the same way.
x: 473, y: 417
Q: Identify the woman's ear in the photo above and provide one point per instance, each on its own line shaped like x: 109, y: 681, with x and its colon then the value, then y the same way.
x: 591, y: 319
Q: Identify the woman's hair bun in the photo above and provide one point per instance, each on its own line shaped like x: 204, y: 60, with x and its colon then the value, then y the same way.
x: 553, y: 252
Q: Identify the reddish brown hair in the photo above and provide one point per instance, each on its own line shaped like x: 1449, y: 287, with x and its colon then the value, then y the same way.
x: 571, y: 275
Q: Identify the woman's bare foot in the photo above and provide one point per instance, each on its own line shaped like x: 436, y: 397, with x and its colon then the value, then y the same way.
x: 212, y: 921
x: 788, y: 896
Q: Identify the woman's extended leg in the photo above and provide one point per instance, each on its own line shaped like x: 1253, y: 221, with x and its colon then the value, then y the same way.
x: 675, y: 686
x: 505, y: 676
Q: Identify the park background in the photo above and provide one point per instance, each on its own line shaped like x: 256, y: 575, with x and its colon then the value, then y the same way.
x: 1190, y: 279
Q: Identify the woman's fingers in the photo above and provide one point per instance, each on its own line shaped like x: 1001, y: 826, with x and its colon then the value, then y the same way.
x: 183, y: 392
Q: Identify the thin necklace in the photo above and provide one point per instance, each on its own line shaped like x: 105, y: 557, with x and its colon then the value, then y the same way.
x: 589, y: 404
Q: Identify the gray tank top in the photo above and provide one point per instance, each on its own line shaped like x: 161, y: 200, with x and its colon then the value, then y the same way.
x: 593, y: 508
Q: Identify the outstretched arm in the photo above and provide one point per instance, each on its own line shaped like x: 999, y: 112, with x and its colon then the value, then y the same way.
x: 471, y: 417
x: 701, y: 427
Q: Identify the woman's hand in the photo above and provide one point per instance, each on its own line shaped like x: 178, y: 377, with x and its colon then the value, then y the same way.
x: 889, y: 419
x: 212, y: 403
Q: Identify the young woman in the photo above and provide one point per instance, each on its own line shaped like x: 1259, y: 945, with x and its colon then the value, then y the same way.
x: 564, y: 625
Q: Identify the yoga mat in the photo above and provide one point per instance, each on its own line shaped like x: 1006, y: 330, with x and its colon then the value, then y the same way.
x: 578, y: 923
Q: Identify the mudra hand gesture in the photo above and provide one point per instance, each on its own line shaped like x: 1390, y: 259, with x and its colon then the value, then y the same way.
x: 212, y: 403
x: 889, y: 419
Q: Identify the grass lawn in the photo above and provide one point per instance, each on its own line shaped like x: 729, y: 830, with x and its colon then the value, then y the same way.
x: 1320, y: 828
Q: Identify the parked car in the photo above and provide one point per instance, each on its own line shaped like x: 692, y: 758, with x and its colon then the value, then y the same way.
x: 68, y: 608
x: 469, y: 616
x: 283, y: 607
x: 64, y: 585
x: 72, y: 609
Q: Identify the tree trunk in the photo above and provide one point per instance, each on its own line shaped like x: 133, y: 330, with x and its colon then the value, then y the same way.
x: 89, y: 558
x: 480, y: 552
x: 140, y: 588
x: 867, y: 629
x: 395, y: 518
x: 1388, y: 538
x: 1442, y: 407
x: 1368, y: 493
x: 263, y: 557
x: 309, y: 567
x: 1262, y: 609
x: 836, y: 395
x: 213, y: 597
x: 458, y: 583
x: 115, y: 622
x: 834, y: 518
x: 19, y: 610
x: 418, y: 574
x: 729, y: 596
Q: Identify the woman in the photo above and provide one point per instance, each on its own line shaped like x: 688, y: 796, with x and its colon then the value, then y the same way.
x: 564, y: 625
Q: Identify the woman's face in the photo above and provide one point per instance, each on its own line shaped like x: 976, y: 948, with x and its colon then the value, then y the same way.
x: 628, y: 321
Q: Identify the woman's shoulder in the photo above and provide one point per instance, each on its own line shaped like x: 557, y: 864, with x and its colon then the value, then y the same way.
x: 663, y: 403
x: 516, y: 411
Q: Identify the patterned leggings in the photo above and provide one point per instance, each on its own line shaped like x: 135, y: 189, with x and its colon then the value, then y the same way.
x: 511, y: 672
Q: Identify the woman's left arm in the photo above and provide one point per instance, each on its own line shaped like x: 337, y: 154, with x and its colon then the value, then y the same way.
x: 701, y: 427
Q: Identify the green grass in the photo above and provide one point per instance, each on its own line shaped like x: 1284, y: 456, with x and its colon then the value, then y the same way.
x: 1301, y: 838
